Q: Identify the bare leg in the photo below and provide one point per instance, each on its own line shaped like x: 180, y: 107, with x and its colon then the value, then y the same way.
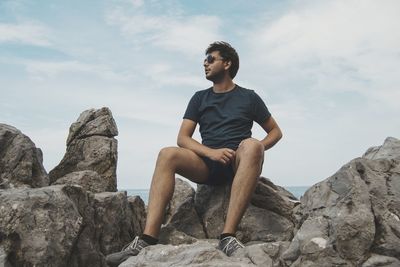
x: 171, y: 160
x: 249, y: 158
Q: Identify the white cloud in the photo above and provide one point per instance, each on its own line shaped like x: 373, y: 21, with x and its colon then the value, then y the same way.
x: 187, y: 34
x: 27, y: 33
x: 338, y: 45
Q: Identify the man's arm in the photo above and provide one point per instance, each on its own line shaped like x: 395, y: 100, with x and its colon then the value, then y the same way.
x: 185, y: 140
x: 273, y: 131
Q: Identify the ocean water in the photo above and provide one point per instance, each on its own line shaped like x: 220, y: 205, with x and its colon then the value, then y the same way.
x: 297, y: 191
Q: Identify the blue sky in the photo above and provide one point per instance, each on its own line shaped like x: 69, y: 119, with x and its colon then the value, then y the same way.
x: 329, y: 72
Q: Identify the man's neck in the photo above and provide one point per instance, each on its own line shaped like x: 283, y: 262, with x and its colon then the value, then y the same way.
x: 224, y: 86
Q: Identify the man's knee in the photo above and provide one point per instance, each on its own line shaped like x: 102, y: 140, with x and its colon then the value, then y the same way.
x: 168, y: 154
x: 251, y: 147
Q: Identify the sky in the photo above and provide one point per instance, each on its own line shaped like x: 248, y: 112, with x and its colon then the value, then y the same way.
x: 329, y: 72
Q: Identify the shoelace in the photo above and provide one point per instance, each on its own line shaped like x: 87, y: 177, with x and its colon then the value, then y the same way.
x: 132, y: 245
x: 233, y: 244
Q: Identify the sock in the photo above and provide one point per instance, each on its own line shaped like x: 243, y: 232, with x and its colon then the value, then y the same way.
x: 149, y: 239
x: 223, y: 235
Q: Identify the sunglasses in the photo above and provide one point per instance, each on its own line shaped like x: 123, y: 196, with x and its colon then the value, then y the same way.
x: 210, y: 59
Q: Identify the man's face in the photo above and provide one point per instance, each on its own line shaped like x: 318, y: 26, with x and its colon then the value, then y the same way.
x: 214, y: 66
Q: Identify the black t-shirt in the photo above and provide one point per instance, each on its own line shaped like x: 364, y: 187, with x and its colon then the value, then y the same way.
x: 226, y: 119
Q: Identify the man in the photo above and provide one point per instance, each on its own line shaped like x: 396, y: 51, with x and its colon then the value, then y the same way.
x: 225, y: 113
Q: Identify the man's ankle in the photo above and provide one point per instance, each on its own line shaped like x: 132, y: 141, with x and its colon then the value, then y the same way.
x: 149, y: 239
x: 223, y: 235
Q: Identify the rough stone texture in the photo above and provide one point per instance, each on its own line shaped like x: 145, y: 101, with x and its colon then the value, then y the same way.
x: 351, y: 214
x: 201, y: 253
x: 381, y: 261
x: 89, y: 180
x: 91, y: 146
x: 45, y: 234
x: 93, y: 123
x: 20, y: 160
x: 182, y: 192
x: 115, y: 221
x: 138, y: 211
x: 389, y: 150
x: 169, y: 235
x: 65, y: 225
x: 205, y: 253
x: 263, y: 222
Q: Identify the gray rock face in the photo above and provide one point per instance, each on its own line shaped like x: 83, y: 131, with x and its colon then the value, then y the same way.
x: 89, y: 180
x: 65, y: 225
x: 389, y: 150
x: 264, y: 220
x: 202, y: 214
x: 44, y: 234
x: 91, y: 146
x: 204, y: 253
x: 351, y: 214
x: 20, y: 160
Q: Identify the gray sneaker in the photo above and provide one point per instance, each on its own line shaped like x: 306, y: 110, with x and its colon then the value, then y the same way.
x: 131, y: 249
x: 229, y: 245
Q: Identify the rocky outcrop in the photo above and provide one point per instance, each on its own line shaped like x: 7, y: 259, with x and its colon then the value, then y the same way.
x: 91, y: 146
x: 65, y: 225
x: 349, y: 219
x: 20, y: 160
x: 89, y: 180
x: 352, y: 218
x: 201, y: 214
x: 72, y: 222
x: 204, y: 253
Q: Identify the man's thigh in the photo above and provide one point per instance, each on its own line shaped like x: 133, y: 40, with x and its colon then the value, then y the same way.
x: 190, y: 165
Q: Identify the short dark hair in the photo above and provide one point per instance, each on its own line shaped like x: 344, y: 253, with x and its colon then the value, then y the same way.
x: 228, y: 53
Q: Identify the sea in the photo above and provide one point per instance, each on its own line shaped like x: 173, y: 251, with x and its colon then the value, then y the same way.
x: 297, y: 191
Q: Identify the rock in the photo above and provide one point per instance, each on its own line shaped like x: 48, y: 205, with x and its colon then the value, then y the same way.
x: 169, y: 235
x: 205, y: 253
x: 264, y: 254
x: 21, y: 163
x: 138, y: 210
x: 271, y: 197
x: 93, y: 123
x: 182, y: 215
x: 351, y: 214
x: 381, y: 261
x: 47, y: 233
x: 89, y: 180
x: 65, y: 226
x: 183, y: 191
x: 201, y: 254
x: 91, y: 146
x: 263, y: 223
x: 115, y: 221
x: 389, y: 150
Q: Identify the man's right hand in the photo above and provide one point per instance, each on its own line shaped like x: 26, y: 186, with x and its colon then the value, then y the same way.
x: 223, y: 155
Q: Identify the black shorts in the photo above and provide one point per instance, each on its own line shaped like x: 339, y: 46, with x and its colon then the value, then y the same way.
x: 219, y: 173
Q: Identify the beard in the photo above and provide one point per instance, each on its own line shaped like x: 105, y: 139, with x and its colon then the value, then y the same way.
x: 216, y: 77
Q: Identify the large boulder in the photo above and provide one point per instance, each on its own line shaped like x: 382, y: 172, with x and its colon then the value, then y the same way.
x: 21, y: 163
x: 91, y: 146
x: 352, y: 214
x: 182, y: 215
x: 65, y: 225
x: 47, y: 233
x: 89, y: 180
x: 202, y: 214
x: 205, y: 253
x: 268, y: 218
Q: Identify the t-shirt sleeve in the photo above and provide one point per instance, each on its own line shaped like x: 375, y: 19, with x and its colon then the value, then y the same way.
x: 192, y: 110
x: 261, y: 112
